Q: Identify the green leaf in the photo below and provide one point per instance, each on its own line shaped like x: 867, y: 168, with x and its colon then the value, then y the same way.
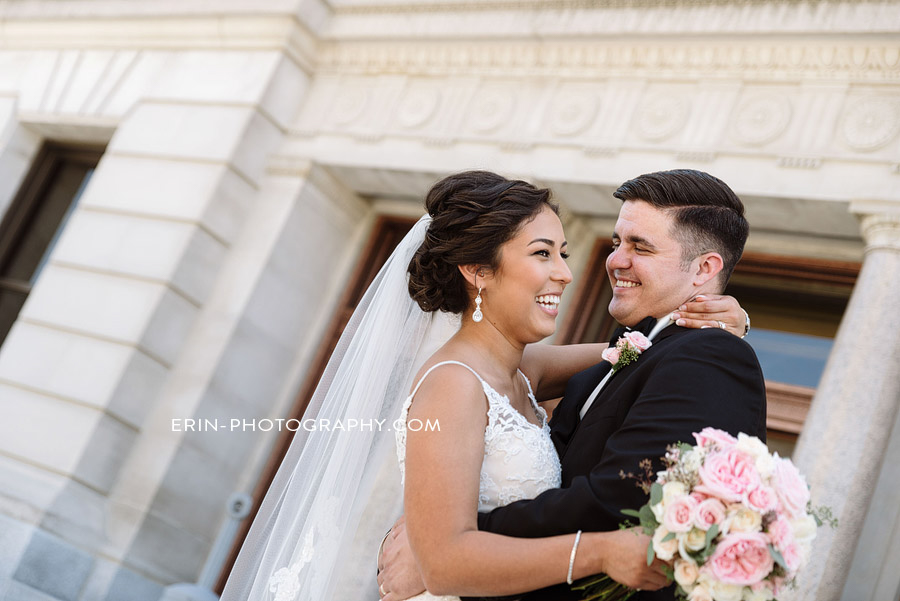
x: 669, y: 572
x: 647, y: 517
x: 650, y: 553
x: 668, y: 537
x: 819, y: 521
x: 656, y: 493
x: 711, y: 534
x: 779, y: 559
x: 632, y: 513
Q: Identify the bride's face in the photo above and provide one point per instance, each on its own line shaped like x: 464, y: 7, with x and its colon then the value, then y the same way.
x: 522, y: 296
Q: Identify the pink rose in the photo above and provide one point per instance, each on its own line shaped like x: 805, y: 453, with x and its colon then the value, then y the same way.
x: 709, y: 512
x: 638, y: 341
x: 728, y: 475
x: 611, y: 354
x: 790, y: 487
x: 780, y: 533
x: 679, y: 514
x: 708, y: 435
x: 791, y: 555
x: 741, y: 559
x: 763, y: 499
x: 699, y: 497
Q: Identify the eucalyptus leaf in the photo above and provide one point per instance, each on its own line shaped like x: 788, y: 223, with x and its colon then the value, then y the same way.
x: 656, y: 493
x: 711, y: 534
x: 778, y: 557
x: 668, y: 537
x: 650, y: 553
x: 632, y: 513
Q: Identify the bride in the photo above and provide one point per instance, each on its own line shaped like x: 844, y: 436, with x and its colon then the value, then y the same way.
x: 493, y: 251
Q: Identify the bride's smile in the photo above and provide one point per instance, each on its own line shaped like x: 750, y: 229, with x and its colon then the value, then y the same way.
x: 522, y: 296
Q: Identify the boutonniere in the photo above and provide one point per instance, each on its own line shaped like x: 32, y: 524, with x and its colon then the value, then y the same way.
x: 627, y: 350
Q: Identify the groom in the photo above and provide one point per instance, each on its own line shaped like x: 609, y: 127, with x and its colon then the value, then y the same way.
x: 679, y: 234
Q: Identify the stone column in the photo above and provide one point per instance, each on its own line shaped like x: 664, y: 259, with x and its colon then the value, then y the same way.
x: 846, y: 434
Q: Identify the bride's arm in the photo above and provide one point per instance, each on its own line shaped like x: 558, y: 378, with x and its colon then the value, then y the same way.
x: 550, y: 367
x: 441, y: 502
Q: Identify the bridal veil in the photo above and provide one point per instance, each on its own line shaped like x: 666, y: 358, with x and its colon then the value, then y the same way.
x: 307, y: 522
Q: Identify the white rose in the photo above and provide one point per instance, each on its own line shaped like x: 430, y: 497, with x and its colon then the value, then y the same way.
x: 695, y: 539
x: 672, y: 490
x: 723, y: 591
x: 692, y: 461
x: 804, y: 528
x: 700, y: 593
x: 765, y: 465
x: 763, y: 594
x: 664, y: 550
x: 659, y: 510
x: 686, y: 572
x: 751, y: 445
x: 742, y: 519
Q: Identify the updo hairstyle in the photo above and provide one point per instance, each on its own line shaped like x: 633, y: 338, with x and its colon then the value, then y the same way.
x: 473, y: 214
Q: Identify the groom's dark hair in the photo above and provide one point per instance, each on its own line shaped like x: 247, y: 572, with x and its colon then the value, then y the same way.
x: 709, y: 217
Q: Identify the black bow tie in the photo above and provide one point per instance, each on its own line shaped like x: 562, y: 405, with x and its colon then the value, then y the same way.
x: 645, y: 326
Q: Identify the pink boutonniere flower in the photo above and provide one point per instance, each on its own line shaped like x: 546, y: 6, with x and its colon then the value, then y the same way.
x: 627, y: 350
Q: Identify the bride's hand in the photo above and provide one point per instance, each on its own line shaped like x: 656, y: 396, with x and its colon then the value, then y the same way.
x: 399, y: 576
x: 626, y: 563
x: 710, y: 311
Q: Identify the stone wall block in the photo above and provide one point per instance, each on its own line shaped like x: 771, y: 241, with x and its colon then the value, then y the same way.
x: 215, y: 77
x: 53, y: 567
x: 50, y: 432
x: 182, y: 131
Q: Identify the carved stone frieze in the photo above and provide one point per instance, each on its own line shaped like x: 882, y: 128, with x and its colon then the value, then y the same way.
x: 417, y: 106
x: 747, y: 61
x: 871, y: 123
x: 761, y: 118
x: 661, y: 115
x: 491, y: 108
x: 571, y: 111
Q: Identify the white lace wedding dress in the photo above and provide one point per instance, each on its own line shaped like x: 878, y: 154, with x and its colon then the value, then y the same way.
x: 520, y: 461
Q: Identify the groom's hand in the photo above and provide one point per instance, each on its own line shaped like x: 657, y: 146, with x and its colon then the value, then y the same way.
x: 399, y: 577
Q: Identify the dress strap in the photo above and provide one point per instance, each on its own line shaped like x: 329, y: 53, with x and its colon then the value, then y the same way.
x: 436, y: 365
x: 531, y: 396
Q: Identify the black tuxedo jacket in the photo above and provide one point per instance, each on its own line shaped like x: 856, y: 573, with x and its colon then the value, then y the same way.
x: 687, y: 380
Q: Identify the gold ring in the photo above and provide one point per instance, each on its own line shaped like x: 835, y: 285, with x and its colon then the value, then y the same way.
x: 381, y: 589
x: 722, y: 325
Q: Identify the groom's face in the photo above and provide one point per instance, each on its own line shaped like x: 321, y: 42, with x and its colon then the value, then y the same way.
x: 645, y: 268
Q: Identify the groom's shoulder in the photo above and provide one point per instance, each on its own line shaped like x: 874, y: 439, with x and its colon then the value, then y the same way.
x: 708, y: 342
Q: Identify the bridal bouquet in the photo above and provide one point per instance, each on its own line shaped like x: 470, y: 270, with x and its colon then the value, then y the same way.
x: 733, y: 520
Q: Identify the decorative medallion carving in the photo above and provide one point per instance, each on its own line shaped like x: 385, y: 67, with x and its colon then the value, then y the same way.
x: 349, y: 104
x: 661, y: 115
x: 492, y: 108
x: 761, y: 118
x: 417, y: 106
x: 571, y: 112
x: 870, y: 123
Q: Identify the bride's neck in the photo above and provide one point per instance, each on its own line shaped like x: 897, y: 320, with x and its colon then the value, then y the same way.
x: 493, y: 348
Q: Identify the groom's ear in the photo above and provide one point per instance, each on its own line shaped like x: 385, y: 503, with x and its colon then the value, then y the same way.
x: 706, y: 267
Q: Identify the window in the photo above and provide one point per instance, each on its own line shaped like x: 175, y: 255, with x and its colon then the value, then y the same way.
x: 795, y: 305
x: 36, y: 217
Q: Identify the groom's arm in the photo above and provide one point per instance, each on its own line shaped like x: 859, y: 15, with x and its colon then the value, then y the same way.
x: 709, y: 378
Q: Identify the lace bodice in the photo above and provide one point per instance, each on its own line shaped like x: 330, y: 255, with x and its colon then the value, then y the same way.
x: 520, y: 461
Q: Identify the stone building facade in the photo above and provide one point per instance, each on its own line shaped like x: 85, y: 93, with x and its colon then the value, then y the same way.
x: 230, y: 163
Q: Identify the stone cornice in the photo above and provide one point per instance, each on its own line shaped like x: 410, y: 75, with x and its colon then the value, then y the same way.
x: 221, y: 32
x: 381, y: 6
x: 774, y: 60
x: 566, y: 18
